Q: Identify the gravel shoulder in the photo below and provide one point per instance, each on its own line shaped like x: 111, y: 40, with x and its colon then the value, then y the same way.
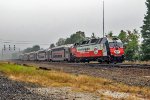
x: 14, y: 90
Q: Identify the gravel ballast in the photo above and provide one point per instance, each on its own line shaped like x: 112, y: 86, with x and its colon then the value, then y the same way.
x: 14, y: 90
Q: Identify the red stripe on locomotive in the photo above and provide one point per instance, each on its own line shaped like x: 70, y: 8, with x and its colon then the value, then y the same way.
x: 91, y: 53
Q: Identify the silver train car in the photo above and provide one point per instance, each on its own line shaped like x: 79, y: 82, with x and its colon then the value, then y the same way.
x: 32, y: 56
x: 25, y: 57
x: 21, y: 56
x: 42, y: 55
x: 61, y: 53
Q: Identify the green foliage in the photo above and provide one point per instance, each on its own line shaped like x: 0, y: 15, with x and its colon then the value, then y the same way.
x: 146, y: 33
x: 60, y: 42
x: 27, y: 50
x: 130, y: 41
x: 123, y: 37
x: 93, y: 36
x: 34, y: 48
x: 111, y: 34
x: 52, y: 45
x: 75, y: 38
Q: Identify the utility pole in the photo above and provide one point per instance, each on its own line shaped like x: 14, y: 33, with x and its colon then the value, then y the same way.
x: 103, y: 19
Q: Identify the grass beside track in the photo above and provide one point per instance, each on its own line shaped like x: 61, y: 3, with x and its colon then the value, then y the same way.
x: 61, y: 79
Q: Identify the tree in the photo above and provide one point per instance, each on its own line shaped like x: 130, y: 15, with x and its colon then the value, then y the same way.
x: 130, y: 41
x: 35, y: 48
x: 123, y: 37
x: 52, y: 45
x: 75, y: 38
x: 31, y: 49
x: 111, y: 35
x: 27, y: 50
x: 60, y: 42
x: 146, y: 33
x: 93, y: 36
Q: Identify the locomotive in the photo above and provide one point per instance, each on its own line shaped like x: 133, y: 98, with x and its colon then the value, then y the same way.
x: 109, y: 50
x: 101, y: 50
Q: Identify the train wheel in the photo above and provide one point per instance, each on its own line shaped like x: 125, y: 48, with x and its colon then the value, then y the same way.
x: 76, y: 60
x: 108, y: 62
x: 100, y: 61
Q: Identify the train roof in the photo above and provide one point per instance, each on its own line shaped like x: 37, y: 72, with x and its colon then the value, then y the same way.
x: 32, y: 52
x: 41, y: 50
x: 97, y: 41
x: 113, y: 39
x: 63, y: 46
x: 48, y: 49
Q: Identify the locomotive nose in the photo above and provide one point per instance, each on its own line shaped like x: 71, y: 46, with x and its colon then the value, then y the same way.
x: 117, y: 52
x: 117, y: 48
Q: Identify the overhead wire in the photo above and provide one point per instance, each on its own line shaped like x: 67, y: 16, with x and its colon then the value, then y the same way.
x: 22, y: 42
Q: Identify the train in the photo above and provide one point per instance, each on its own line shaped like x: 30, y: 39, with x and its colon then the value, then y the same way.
x: 102, y: 50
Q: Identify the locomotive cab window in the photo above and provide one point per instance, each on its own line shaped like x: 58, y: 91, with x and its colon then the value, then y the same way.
x: 115, y: 44
x: 85, y: 42
x: 99, y: 40
x: 76, y: 44
x: 94, y: 41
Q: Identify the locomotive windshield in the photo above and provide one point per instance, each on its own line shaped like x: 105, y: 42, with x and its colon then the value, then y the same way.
x: 115, y: 44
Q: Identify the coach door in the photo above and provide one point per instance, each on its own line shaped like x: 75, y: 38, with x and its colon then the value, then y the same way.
x: 104, y: 46
x: 67, y: 54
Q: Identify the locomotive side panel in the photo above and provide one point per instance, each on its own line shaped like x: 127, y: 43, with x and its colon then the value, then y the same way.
x: 89, y: 51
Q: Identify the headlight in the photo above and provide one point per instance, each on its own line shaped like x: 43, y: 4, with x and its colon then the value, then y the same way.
x: 117, y: 52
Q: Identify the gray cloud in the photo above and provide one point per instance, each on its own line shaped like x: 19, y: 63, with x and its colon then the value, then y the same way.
x: 45, y: 21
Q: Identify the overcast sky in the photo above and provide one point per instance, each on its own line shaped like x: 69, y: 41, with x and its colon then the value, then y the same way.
x: 44, y: 21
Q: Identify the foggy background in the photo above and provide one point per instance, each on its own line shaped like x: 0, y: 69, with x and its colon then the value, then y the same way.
x: 43, y: 22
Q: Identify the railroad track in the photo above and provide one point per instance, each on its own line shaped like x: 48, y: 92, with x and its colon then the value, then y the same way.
x: 142, y: 66
x: 97, y: 65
